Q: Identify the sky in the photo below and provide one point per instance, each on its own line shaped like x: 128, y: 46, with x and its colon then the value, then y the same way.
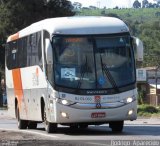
x: 107, y: 3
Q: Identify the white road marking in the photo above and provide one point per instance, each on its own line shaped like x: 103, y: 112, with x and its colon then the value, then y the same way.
x: 30, y: 132
x: 94, y: 143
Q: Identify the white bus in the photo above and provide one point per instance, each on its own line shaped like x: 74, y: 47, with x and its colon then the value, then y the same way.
x: 74, y: 71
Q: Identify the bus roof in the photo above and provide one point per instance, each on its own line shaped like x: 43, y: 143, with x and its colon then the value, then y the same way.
x: 75, y: 26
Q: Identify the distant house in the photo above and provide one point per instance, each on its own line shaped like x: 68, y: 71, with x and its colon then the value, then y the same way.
x: 148, y: 82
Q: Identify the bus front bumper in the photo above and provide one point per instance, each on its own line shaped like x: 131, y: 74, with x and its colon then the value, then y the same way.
x: 66, y: 114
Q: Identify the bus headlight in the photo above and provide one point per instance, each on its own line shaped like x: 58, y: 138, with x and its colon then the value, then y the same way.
x: 128, y: 99
x: 65, y: 102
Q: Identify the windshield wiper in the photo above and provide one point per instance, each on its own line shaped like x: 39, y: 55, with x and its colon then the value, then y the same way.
x: 84, y: 68
x: 108, y: 74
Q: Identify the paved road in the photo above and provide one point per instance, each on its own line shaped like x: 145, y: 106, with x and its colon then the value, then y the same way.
x: 142, y: 130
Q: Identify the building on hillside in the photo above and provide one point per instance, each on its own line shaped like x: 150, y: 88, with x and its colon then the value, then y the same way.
x: 148, y: 83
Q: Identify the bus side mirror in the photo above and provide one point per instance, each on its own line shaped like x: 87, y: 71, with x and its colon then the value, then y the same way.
x: 138, y: 45
x: 49, y: 53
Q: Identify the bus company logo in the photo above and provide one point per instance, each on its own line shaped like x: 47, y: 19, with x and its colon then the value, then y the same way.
x: 97, y: 99
x: 98, y: 105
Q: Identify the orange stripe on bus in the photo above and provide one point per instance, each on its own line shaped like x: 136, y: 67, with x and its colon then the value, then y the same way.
x: 17, y: 82
x: 14, y: 37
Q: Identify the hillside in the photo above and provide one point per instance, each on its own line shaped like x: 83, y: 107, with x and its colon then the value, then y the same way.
x: 143, y: 23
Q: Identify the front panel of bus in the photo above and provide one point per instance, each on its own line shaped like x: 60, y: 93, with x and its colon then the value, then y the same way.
x: 95, y: 77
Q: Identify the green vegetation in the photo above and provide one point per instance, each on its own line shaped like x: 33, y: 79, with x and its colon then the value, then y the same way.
x: 148, y: 110
x: 140, y: 97
x: 143, y: 23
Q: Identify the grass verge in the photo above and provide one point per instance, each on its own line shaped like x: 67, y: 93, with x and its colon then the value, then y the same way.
x: 146, y: 110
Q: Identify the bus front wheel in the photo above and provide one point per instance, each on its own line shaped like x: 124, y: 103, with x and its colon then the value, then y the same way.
x: 22, y: 124
x: 32, y: 125
x: 49, y: 127
x: 83, y: 126
x: 116, y: 126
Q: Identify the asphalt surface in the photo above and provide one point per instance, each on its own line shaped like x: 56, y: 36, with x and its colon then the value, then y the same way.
x: 142, y: 130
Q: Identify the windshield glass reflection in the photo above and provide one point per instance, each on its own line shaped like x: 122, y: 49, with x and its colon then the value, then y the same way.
x: 93, y: 62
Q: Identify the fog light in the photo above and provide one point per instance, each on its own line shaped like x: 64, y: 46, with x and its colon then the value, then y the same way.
x: 64, y: 115
x: 130, y: 112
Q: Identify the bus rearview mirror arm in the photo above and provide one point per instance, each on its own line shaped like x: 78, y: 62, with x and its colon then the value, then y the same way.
x: 48, y: 49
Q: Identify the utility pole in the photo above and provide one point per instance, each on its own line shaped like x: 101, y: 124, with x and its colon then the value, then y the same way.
x: 129, y: 4
x: 156, y: 78
x: 98, y: 4
x: 1, y: 97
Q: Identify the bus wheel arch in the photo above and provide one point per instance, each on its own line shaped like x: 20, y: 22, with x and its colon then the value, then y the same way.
x: 22, y: 124
x: 49, y: 127
x: 16, y: 104
x: 32, y: 124
x: 42, y: 108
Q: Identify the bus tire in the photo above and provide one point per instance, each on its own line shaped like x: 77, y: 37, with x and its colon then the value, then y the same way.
x: 49, y: 127
x: 32, y: 125
x: 116, y: 126
x: 22, y: 124
x: 83, y: 126
x: 73, y: 126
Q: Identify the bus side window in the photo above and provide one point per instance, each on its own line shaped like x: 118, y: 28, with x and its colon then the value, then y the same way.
x: 39, y: 48
x: 20, y: 53
x: 14, y: 53
x: 11, y: 55
x: 24, y: 45
x: 33, y: 49
x: 29, y: 51
x: 8, y: 55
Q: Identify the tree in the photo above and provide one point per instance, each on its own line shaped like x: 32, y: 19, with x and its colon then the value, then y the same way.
x: 158, y: 1
x: 17, y: 14
x: 157, y: 14
x: 92, y: 7
x: 57, y: 8
x: 103, y: 12
x: 116, y: 7
x: 145, y: 4
x: 77, y: 5
x: 136, y: 4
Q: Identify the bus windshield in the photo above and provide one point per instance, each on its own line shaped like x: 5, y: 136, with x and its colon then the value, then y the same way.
x: 93, y: 62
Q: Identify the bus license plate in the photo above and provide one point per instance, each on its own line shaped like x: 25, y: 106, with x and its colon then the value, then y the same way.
x: 98, y: 115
